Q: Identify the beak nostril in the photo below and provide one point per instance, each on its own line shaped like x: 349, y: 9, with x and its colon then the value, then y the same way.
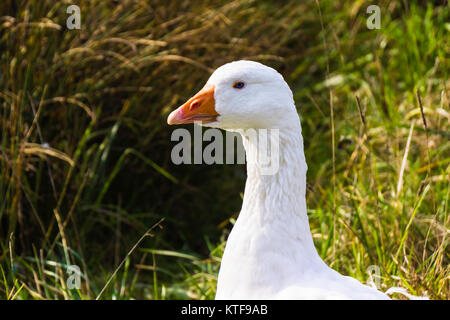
x: 194, y: 105
x: 200, y: 107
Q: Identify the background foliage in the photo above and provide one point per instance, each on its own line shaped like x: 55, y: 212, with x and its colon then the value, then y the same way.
x: 85, y: 164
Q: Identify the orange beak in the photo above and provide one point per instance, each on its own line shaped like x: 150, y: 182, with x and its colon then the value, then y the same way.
x: 200, y: 107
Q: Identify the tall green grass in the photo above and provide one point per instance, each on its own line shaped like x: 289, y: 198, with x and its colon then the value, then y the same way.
x: 85, y: 164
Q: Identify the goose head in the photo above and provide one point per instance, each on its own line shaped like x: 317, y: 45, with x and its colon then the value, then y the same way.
x: 240, y: 95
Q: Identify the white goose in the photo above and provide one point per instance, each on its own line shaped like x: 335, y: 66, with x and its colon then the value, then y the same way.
x: 270, y: 252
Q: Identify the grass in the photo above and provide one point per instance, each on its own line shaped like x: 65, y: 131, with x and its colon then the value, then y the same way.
x: 85, y: 165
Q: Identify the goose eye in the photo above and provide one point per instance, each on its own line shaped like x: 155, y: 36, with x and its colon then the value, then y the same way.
x: 239, y: 85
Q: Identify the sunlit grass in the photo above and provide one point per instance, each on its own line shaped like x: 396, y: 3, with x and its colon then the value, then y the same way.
x: 85, y: 152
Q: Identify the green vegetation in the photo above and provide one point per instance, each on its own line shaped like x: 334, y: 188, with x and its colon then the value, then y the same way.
x: 85, y: 164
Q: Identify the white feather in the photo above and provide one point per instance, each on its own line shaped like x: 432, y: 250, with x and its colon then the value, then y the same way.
x: 270, y: 252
